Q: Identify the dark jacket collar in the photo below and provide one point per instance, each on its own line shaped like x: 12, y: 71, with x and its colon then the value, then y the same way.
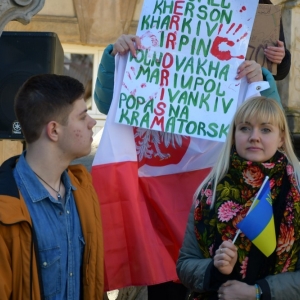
x: 8, y: 184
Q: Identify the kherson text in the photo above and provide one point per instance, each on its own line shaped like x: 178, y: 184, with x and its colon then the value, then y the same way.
x: 186, y: 81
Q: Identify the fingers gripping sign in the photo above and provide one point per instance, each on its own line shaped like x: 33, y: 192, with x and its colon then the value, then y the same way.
x: 276, y: 53
x: 251, y: 69
x: 132, y: 43
x: 126, y: 43
x: 222, y: 43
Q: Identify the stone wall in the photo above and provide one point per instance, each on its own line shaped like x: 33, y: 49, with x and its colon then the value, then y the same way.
x: 19, y: 10
x: 95, y: 23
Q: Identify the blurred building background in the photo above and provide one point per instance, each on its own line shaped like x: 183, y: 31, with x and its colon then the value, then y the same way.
x: 84, y: 29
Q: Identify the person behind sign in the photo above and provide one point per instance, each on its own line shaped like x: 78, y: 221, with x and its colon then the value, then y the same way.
x: 279, y: 54
x: 103, y: 96
x: 50, y: 226
x: 258, y: 145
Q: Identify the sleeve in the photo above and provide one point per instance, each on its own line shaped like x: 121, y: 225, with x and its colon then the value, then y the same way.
x: 272, y: 91
x: 193, y: 270
x: 105, y: 81
x: 284, y: 67
x: 249, y: 90
x: 281, y: 286
x: 5, y: 270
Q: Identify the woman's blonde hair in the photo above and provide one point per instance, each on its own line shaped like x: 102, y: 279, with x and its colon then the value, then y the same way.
x: 264, y: 110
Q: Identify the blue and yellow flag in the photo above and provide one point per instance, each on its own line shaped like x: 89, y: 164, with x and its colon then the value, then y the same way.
x: 258, y: 225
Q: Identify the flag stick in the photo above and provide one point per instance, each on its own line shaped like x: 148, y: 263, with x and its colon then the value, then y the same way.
x: 251, y: 207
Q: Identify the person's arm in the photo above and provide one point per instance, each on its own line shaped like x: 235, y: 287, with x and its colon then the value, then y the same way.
x: 105, y: 79
x: 272, y: 91
x: 255, y: 76
x: 252, y: 82
x: 275, y: 287
x: 280, y: 55
x: 193, y: 270
x: 284, y: 67
x: 281, y: 286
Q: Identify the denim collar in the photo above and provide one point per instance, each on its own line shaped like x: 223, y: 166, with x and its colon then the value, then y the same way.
x: 34, y: 187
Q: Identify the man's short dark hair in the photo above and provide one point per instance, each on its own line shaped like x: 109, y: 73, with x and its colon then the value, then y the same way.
x: 44, y: 98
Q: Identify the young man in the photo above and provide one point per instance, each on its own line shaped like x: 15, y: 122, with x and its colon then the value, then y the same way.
x: 50, y: 229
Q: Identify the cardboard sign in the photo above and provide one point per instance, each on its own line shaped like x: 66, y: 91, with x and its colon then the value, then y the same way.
x: 265, y: 32
x: 183, y: 80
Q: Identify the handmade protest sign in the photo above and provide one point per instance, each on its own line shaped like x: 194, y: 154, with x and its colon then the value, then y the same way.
x: 183, y: 79
x: 265, y: 33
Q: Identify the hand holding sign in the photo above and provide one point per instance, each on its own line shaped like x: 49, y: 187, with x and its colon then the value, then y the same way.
x: 126, y: 43
x: 275, y: 54
x: 251, y: 69
x: 183, y: 79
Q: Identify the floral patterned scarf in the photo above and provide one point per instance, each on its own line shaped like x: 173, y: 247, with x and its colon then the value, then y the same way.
x: 234, y: 196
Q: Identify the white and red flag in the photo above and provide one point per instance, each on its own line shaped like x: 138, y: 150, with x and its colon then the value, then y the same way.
x: 145, y: 181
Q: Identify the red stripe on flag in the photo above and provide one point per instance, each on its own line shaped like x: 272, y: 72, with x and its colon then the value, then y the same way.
x: 144, y: 220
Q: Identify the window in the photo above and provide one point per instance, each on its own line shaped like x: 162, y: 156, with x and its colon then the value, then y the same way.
x: 81, y: 62
x: 80, y: 66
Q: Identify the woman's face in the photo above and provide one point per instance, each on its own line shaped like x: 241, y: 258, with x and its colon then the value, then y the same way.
x: 257, y: 141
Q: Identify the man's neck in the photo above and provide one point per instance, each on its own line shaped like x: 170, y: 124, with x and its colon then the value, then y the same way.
x: 47, y: 163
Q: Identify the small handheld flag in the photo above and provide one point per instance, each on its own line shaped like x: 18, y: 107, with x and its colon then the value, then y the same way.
x: 258, y: 225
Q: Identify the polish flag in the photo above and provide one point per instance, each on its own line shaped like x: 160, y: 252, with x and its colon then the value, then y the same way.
x: 145, y: 181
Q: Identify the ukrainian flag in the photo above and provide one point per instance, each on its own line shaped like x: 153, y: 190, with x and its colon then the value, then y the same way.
x: 258, y: 225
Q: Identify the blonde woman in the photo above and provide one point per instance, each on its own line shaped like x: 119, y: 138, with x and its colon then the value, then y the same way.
x: 258, y: 145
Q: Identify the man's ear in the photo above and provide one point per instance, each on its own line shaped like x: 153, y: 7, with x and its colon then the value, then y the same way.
x: 52, y: 130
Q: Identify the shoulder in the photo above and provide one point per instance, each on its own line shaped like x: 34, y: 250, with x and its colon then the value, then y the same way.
x: 8, y: 184
x: 79, y: 175
x: 82, y: 180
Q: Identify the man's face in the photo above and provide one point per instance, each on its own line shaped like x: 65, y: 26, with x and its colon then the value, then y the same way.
x: 77, y: 134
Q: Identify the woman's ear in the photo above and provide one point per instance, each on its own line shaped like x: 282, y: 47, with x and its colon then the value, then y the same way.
x: 281, y: 140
